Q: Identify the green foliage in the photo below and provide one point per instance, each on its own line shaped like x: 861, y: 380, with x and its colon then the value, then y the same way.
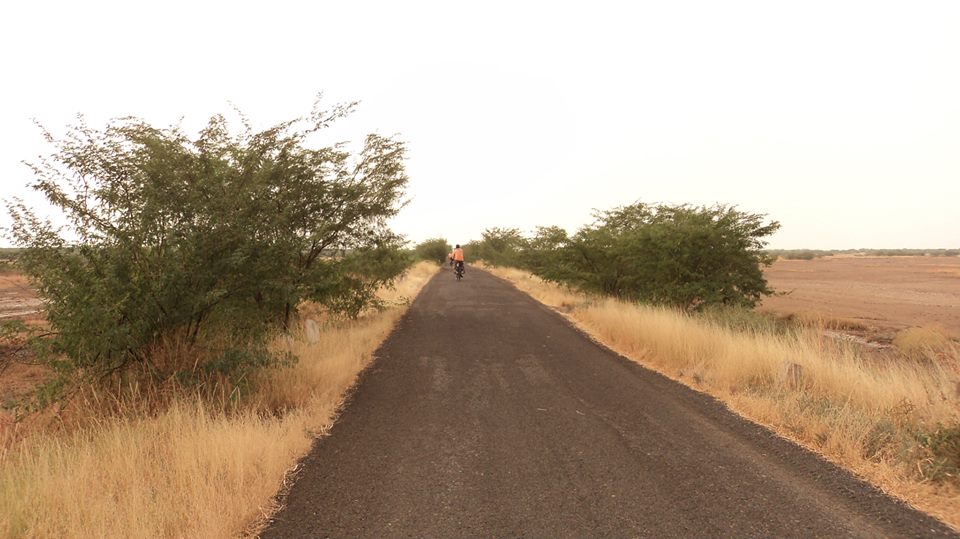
x: 684, y: 256
x: 237, y: 362
x: 349, y: 285
x: 544, y: 253
x: 878, y: 440
x: 802, y: 254
x: 8, y: 260
x: 942, y: 453
x: 220, y: 235
x: 11, y: 330
x: 16, y: 338
x: 498, y: 247
x: 434, y: 250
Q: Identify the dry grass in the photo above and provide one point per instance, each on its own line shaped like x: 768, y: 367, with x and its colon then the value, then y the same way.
x: 191, y: 470
x: 819, y: 320
x: 864, y: 415
x: 922, y: 341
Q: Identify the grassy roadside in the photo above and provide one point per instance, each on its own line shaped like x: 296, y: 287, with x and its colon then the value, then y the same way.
x: 892, y: 423
x: 192, y: 470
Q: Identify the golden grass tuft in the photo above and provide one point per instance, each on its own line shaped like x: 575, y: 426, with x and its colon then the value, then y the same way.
x: 192, y: 469
x: 922, y: 341
x: 862, y: 414
x: 820, y: 320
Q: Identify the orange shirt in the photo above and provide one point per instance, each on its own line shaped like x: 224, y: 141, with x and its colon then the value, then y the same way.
x: 458, y: 255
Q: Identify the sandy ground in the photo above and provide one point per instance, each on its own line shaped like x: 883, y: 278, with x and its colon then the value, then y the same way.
x: 17, y: 299
x: 886, y: 294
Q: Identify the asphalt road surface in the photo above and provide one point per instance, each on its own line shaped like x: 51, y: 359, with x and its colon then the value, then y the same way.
x: 485, y: 414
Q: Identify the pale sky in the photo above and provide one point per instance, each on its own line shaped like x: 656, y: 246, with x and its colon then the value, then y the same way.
x: 840, y: 119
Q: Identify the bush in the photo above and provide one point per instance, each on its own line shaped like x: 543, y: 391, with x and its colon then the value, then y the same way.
x: 498, y: 247
x: 8, y: 260
x: 683, y: 256
x: 434, y: 250
x: 941, y: 450
x: 919, y: 342
x: 799, y: 254
x: 220, y: 236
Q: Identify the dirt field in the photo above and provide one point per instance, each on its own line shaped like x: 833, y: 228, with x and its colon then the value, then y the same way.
x: 17, y: 299
x: 886, y: 294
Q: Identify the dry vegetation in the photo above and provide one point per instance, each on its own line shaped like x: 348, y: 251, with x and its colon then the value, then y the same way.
x: 891, y: 422
x: 190, y: 468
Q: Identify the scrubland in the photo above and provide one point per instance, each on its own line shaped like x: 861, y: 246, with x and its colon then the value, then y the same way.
x: 893, y: 420
x: 190, y: 465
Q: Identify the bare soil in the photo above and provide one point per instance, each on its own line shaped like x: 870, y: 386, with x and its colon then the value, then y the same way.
x: 17, y: 380
x: 486, y: 414
x: 17, y: 298
x: 883, y: 294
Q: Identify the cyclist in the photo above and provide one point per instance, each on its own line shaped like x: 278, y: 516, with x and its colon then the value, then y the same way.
x: 456, y: 257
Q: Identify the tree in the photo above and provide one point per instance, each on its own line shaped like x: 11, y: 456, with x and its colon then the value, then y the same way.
x: 499, y: 246
x: 219, y: 235
x: 434, y: 249
x: 686, y: 256
x: 544, y: 253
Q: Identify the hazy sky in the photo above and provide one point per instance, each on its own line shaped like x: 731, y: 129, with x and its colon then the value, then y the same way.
x: 839, y: 119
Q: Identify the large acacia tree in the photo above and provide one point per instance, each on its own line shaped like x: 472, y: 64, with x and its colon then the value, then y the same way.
x: 223, y: 232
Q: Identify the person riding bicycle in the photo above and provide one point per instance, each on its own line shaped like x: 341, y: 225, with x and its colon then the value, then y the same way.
x: 457, y: 258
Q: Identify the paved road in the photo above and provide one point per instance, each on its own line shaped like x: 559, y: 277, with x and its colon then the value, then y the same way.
x: 487, y: 415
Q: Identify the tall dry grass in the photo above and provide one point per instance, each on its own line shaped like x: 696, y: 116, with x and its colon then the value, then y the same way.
x: 923, y: 341
x: 871, y: 416
x: 192, y: 470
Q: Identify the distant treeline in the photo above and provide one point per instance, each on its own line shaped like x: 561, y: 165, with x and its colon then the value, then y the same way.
x: 810, y: 254
x: 689, y: 257
x: 7, y: 258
